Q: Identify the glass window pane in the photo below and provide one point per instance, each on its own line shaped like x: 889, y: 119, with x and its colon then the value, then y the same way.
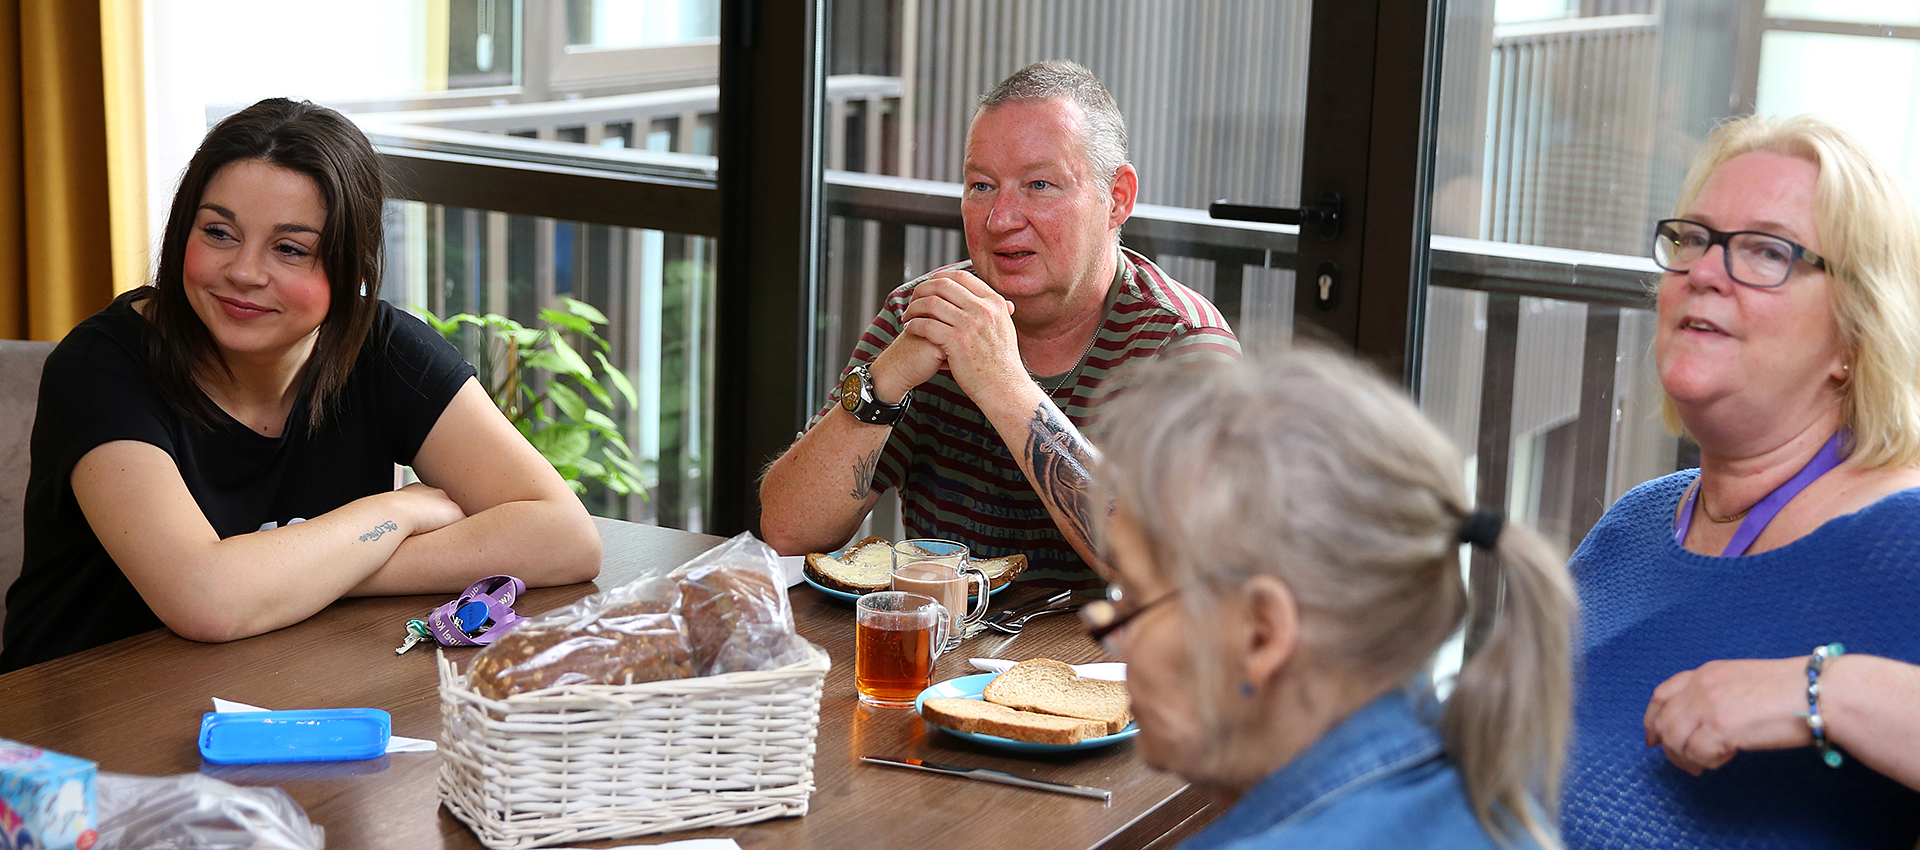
x: 1560, y: 142
x: 497, y: 79
x: 656, y: 290
x: 1820, y: 72
x: 624, y: 23
x: 1213, y: 95
x: 1883, y: 12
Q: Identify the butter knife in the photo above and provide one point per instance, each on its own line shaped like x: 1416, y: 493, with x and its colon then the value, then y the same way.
x: 984, y: 774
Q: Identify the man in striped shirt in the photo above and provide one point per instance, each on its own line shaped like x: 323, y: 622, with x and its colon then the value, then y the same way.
x: 968, y: 391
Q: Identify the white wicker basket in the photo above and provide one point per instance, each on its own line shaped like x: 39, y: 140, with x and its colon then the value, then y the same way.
x: 587, y: 762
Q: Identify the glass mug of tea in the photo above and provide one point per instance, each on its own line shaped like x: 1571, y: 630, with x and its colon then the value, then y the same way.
x: 897, y: 636
x: 938, y: 568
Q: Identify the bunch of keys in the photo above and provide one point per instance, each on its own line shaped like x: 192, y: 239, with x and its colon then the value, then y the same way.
x: 416, y: 632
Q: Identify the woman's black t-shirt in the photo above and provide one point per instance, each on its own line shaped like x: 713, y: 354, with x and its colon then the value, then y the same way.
x: 97, y: 389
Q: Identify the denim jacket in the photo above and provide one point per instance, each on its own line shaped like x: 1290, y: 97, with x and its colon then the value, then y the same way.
x: 1375, y: 780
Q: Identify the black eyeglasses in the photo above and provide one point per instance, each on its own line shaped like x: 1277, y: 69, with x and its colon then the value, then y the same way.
x: 1103, y: 617
x: 1759, y: 260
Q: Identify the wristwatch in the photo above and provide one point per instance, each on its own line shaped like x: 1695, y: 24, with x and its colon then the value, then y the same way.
x: 856, y: 395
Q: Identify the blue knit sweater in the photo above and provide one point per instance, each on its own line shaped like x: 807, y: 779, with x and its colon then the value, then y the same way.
x: 1652, y: 609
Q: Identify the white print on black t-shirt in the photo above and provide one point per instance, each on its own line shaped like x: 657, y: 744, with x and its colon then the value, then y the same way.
x: 270, y: 525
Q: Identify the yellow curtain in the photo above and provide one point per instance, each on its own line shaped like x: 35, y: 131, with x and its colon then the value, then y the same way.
x: 72, y: 175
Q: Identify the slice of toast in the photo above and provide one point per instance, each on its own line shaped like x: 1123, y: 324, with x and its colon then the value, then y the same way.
x: 1000, y: 570
x: 866, y: 566
x: 1051, y: 687
x: 985, y: 718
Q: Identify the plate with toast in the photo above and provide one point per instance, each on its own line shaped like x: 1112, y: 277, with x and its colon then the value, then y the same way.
x: 867, y: 566
x: 1038, y: 706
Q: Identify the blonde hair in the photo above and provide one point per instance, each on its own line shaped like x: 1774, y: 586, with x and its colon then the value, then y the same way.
x: 1310, y: 468
x: 1871, y: 241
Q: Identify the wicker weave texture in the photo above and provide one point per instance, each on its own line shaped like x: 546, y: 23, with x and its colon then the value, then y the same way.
x: 586, y: 762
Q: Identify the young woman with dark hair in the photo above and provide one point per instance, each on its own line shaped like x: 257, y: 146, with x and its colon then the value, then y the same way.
x: 215, y: 452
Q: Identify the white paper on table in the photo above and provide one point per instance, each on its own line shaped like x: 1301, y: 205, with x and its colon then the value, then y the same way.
x: 683, y: 844
x: 1112, y: 671
x: 395, y: 743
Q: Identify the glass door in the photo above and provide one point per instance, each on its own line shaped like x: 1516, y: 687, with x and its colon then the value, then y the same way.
x: 1214, y: 94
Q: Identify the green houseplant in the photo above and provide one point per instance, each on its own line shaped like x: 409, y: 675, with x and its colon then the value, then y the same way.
x: 551, y: 393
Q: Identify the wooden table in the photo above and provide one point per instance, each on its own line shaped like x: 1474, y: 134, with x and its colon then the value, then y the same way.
x: 134, y: 706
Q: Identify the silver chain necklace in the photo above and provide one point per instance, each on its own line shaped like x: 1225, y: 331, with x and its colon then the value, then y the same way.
x: 1076, y: 364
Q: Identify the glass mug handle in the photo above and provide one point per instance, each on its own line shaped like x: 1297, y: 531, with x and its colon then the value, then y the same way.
x: 979, y: 577
x: 940, y: 631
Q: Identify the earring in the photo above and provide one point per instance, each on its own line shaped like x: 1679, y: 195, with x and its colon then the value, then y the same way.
x: 1246, y: 689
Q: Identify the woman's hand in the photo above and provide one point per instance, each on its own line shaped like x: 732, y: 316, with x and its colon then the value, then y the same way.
x: 1702, y: 717
x: 430, y: 507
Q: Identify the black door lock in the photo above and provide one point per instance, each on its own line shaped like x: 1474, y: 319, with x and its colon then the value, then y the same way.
x: 1325, y: 218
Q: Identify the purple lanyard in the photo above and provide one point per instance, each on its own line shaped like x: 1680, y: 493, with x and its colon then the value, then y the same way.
x: 1763, y: 513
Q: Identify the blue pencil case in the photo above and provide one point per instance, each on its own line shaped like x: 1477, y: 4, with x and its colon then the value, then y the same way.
x: 326, y: 734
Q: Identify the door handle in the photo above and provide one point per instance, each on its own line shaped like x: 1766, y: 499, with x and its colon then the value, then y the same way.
x: 1325, y: 217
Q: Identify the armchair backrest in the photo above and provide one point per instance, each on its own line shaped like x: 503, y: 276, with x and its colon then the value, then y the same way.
x: 20, y: 363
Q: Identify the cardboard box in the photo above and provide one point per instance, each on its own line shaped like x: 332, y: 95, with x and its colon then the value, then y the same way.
x: 46, y: 799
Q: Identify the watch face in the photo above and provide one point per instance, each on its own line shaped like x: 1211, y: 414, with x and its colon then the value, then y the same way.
x: 850, y: 391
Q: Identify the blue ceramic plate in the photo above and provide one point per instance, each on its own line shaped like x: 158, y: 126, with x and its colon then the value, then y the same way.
x: 971, y: 687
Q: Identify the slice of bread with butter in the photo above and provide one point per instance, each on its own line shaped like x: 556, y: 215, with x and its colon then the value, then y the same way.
x: 867, y: 566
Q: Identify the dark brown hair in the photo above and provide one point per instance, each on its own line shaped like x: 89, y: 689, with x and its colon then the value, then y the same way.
x: 326, y: 147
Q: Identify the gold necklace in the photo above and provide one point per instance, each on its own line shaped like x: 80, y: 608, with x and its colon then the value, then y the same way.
x: 1701, y: 493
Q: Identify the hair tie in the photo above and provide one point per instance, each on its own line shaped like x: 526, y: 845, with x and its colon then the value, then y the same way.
x: 1481, y: 529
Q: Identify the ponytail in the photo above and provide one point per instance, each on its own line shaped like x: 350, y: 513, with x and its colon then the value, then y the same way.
x: 1506, y: 725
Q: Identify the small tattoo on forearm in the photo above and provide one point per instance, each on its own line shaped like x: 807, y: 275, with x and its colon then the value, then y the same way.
x: 379, y: 531
x: 1060, y: 458
x: 863, y: 475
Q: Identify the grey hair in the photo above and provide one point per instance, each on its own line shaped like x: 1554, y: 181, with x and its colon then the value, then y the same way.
x: 1312, y: 469
x: 1103, y: 128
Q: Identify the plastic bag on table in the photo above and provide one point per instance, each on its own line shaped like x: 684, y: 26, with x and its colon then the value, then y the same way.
x: 629, y: 634
x: 734, y: 601
x: 195, y: 812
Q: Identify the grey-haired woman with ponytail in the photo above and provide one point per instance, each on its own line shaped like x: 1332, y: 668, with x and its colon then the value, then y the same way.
x: 1286, y: 539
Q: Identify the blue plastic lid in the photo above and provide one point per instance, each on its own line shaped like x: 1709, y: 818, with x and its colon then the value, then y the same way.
x: 471, y: 617
x: 327, y: 734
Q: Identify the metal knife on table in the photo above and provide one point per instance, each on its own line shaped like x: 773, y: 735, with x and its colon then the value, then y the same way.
x: 986, y: 775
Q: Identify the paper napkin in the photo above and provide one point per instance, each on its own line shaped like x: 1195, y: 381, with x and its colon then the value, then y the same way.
x: 1112, y: 671
x: 684, y: 844
x: 395, y: 743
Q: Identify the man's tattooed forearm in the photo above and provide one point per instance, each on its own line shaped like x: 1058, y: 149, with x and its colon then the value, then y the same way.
x: 863, y: 475
x: 378, y: 531
x: 1060, y: 458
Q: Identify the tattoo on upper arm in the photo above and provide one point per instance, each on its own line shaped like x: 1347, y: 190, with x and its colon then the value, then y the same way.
x: 378, y: 531
x: 1060, y: 458
x: 863, y: 475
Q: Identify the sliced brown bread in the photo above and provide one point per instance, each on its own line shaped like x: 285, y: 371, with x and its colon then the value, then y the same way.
x: 985, y: 718
x: 1051, y: 687
x: 866, y: 566
x: 1000, y: 570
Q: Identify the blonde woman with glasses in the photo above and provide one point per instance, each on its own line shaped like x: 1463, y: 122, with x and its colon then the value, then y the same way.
x: 1286, y: 537
x: 1748, y: 673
